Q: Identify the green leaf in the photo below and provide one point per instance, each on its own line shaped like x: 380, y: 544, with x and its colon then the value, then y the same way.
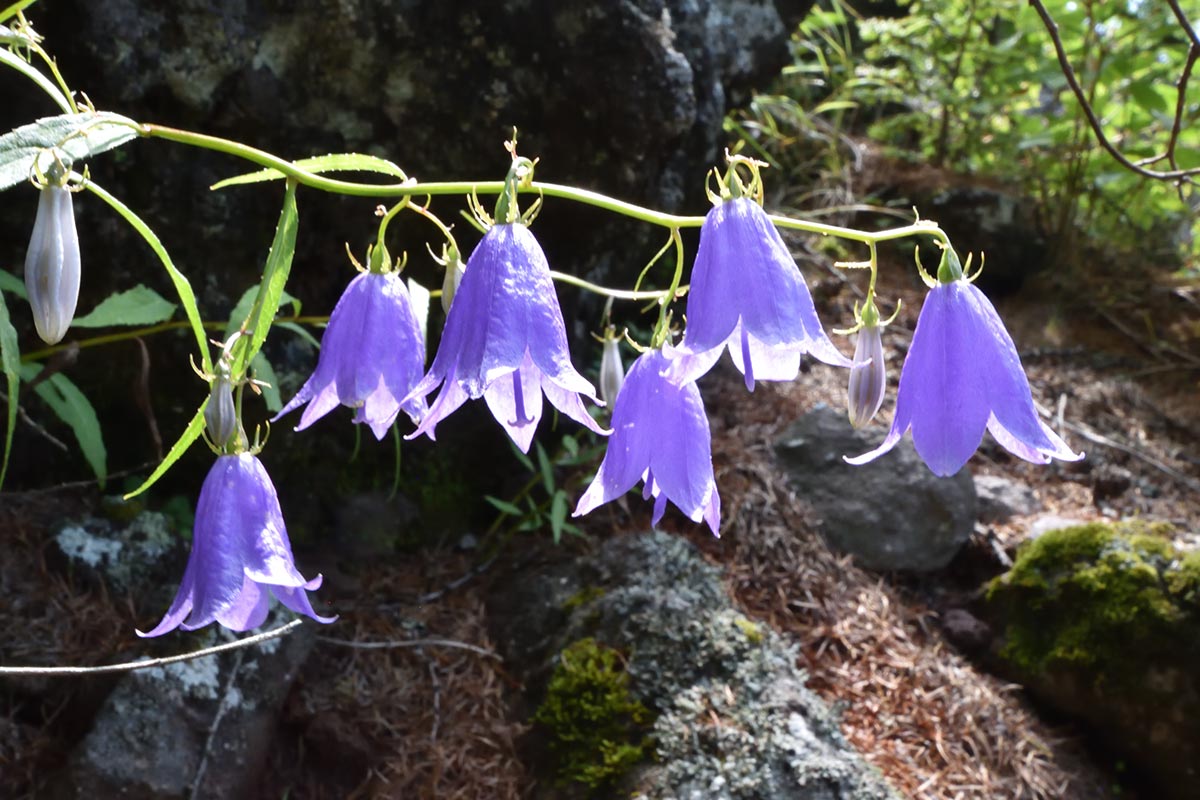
x: 558, y: 514
x: 334, y: 162
x: 545, y: 468
x: 72, y: 407
x: 45, y: 84
x: 270, y: 291
x: 299, y: 331
x: 76, y: 137
x: 184, y: 289
x: 12, y: 10
x: 245, y: 304
x: 12, y: 284
x: 263, y: 371
x: 190, y: 434
x: 503, y: 506
x: 136, y: 306
x: 524, y: 459
x: 10, y: 359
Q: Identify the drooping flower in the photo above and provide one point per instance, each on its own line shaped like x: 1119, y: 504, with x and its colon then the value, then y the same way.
x: 962, y: 375
x: 748, y: 294
x: 52, y: 263
x: 660, y: 436
x: 505, y: 340
x: 240, y: 554
x: 372, y: 355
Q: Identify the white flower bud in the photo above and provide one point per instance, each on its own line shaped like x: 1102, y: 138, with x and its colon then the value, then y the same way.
x: 454, y: 274
x: 52, y: 264
x: 612, y: 371
x: 868, y: 377
x: 220, y: 416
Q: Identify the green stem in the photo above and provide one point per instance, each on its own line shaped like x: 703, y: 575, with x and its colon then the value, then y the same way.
x: 619, y: 294
x: 595, y: 199
x: 151, y: 330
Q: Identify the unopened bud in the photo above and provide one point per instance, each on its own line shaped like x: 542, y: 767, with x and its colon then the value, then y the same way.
x: 868, y: 377
x: 52, y: 264
x: 220, y: 416
x: 454, y: 274
x: 612, y: 371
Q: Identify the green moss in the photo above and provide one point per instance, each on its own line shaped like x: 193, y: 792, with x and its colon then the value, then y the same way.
x: 581, y: 598
x: 753, y: 632
x: 1102, y: 598
x: 596, y: 726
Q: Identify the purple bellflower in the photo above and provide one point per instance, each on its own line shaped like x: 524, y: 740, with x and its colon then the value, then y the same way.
x: 962, y: 375
x: 660, y: 436
x: 748, y: 294
x: 505, y: 340
x: 372, y: 355
x: 240, y: 551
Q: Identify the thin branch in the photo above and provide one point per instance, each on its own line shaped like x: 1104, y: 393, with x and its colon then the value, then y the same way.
x: 1093, y: 121
x: 131, y: 666
x: 414, y: 643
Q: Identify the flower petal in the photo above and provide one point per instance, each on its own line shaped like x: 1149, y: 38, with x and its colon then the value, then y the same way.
x: 515, y: 400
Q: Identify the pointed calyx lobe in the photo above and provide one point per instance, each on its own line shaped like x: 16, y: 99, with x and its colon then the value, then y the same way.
x: 505, y: 341
x: 962, y: 376
x: 748, y: 294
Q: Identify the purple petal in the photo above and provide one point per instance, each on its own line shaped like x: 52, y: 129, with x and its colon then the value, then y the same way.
x: 297, y: 600
x: 515, y: 400
x: 448, y: 400
x: 249, y: 611
x: 660, y: 434
x: 744, y: 275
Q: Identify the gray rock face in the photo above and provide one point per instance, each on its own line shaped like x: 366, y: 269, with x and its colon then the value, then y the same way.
x: 891, y: 514
x: 1001, y: 498
x: 160, y: 725
x: 734, y: 719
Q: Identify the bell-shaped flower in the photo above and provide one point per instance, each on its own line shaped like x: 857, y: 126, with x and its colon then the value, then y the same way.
x: 660, y: 436
x: 747, y: 294
x: 962, y: 375
x: 372, y: 355
x: 505, y: 340
x: 52, y: 264
x: 240, y: 554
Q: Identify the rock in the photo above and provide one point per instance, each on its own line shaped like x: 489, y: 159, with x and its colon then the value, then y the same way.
x: 1102, y: 622
x: 132, y: 556
x: 999, y: 498
x: 1051, y: 522
x: 732, y: 718
x: 890, y: 514
x: 160, y: 725
x: 1109, y: 482
x: 966, y: 631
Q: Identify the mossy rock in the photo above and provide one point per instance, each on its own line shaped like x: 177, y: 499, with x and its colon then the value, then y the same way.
x: 1102, y: 621
x: 596, y: 727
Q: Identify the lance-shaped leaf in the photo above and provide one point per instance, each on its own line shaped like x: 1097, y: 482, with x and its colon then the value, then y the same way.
x: 76, y: 137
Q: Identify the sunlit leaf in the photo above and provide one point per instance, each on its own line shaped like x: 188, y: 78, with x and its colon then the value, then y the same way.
x: 137, y: 306
x: 73, y: 137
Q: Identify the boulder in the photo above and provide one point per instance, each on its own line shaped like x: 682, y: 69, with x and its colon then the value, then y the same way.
x: 890, y: 514
x: 199, y: 729
x: 641, y: 631
x: 1102, y: 622
x: 1000, y: 498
